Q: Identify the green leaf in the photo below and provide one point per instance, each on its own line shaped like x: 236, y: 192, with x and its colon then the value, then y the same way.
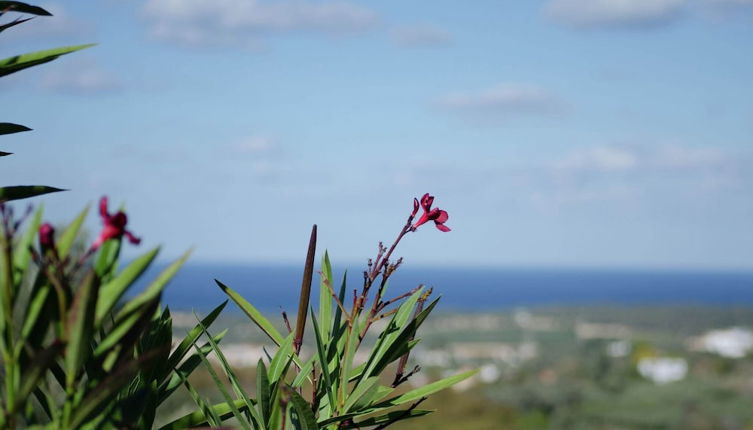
x: 427, y: 389
x: 304, y: 373
x: 111, y: 292
x: 186, y: 367
x: 19, y: 192
x: 390, y: 417
x: 325, y: 297
x: 17, y: 6
x: 235, y: 383
x: 23, y: 254
x: 33, y: 310
x: 129, y: 325
x: 79, y: 329
x: 185, y: 345
x: 391, y: 333
x: 252, y: 313
x: 195, y: 419
x: 155, y: 288
x: 10, y: 128
x: 13, y: 23
x: 306, y: 417
x: 106, y: 390
x: 37, y: 369
x: 106, y: 263
x: 228, y: 399
x: 19, y: 62
x: 263, y: 392
x: 323, y: 362
x: 362, y: 395
x: 279, y: 361
x: 65, y: 242
x: 401, y: 344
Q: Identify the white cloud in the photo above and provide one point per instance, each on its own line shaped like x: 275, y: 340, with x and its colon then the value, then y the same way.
x: 420, y: 36
x: 80, y: 77
x: 614, y: 13
x: 505, y: 99
x: 730, y: 2
x: 258, y: 145
x: 243, y: 22
x: 601, y: 158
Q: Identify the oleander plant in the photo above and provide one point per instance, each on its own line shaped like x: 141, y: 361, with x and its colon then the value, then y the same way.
x: 81, y: 349
x: 329, y: 389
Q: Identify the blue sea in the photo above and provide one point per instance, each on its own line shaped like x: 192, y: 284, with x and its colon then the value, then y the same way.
x: 272, y: 288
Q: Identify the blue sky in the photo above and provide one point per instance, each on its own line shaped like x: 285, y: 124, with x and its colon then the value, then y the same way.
x: 595, y: 133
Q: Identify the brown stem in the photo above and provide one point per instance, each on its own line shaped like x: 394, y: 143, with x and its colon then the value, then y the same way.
x: 303, y: 303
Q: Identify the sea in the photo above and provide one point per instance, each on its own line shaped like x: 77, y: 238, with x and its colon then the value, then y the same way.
x: 275, y: 288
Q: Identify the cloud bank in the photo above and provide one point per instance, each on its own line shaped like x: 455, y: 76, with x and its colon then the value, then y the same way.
x: 615, y: 13
x: 244, y: 22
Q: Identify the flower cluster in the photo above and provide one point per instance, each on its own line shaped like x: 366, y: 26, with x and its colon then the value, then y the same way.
x: 114, y: 228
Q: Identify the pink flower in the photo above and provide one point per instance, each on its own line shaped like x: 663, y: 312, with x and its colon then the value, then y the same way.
x: 47, y: 236
x: 114, y: 226
x: 437, y: 215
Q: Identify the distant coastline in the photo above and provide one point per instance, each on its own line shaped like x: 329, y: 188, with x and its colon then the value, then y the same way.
x: 272, y: 287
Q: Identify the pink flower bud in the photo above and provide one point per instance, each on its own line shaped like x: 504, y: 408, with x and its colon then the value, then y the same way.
x: 46, y: 236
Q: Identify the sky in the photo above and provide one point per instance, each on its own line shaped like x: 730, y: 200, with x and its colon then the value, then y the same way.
x: 572, y: 133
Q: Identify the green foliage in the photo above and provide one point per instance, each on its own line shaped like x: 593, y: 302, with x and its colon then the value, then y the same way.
x: 343, y: 394
x: 17, y: 63
x: 74, y: 353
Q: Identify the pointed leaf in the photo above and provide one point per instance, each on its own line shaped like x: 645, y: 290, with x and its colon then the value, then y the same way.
x: 196, y: 419
x: 22, y: 254
x: 428, y: 389
x: 252, y: 313
x: 325, y: 297
x: 390, y: 417
x: 323, y: 362
x: 79, y: 328
x: 19, y: 192
x: 13, y: 23
x: 66, y: 240
x: 111, y: 292
x: 20, y: 7
x: 185, y: 345
x: 279, y: 361
x: 10, y: 128
x: 306, y: 417
x: 263, y: 392
x: 19, y: 62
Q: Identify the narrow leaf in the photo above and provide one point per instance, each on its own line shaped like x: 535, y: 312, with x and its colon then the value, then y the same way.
x: 19, y: 62
x: 10, y: 128
x: 195, y: 419
x: 17, y: 6
x: 66, y: 240
x: 111, y: 292
x: 19, y: 192
x: 304, y: 412
x: 252, y: 313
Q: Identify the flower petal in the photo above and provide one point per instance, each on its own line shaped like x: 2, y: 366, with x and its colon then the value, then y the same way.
x: 103, y: 207
x: 442, y: 217
x: 442, y: 227
x: 426, y: 201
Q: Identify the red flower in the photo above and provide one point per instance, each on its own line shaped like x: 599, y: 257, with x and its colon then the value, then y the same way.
x: 437, y: 215
x: 47, y: 236
x: 114, y: 226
